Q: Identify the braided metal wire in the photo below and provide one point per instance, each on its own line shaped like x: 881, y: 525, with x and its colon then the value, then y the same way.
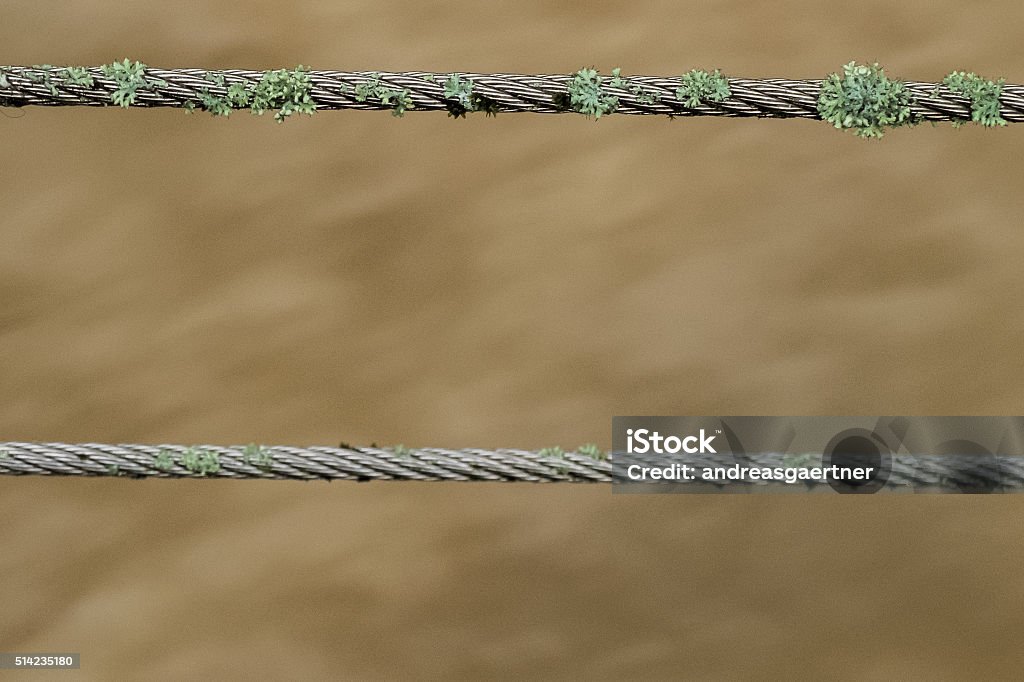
x: 312, y: 463
x: 966, y: 474
x: 764, y: 98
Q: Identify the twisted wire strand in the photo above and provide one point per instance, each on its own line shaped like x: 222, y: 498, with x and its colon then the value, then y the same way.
x: 989, y: 473
x: 763, y: 98
x: 312, y: 463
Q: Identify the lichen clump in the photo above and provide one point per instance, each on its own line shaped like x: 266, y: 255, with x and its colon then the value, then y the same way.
x: 42, y: 73
x: 258, y: 456
x: 283, y: 90
x: 558, y: 454
x: 864, y: 100
x: 398, y: 100
x: 644, y: 95
x: 78, y: 75
x: 592, y: 450
x: 984, y: 95
x: 584, y: 95
x: 701, y: 87
x: 129, y: 77
x: 164, y: 460
x: 200, y: 461
x: 460, y: 98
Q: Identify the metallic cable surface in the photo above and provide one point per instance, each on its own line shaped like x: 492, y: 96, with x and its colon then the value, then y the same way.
x: 973, y: 474
x: 312, y: 463
x: 764, y: 98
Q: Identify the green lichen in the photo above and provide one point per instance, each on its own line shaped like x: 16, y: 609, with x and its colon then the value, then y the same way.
x: 43, y: 74
x: 402, y: 451
x: 113, y: 470
x: 591, y: 450
x: 644, y: 95
x: 78, y: 75
x: 460, y: 98
x: 701, y: 87
x: 164, y: 460
x: 214, y: 77
x: 863, y: 99
x: 584, y: 95
x: 215, y: 104
x: 200, y: 461
x: 238, y: 95
x: 258, y: 456
x: 283, y: 90
x: 459, y: 94
x: 367, y: 89
x: 555, y: 453
x: 984, y: 96
x: 398, y: 100
x: 129, y: 77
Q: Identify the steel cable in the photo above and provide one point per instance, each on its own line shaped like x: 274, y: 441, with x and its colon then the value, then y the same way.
x: 646, y: 95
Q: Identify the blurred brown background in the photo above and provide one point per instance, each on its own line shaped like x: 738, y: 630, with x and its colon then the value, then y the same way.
x: 508, y: 282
